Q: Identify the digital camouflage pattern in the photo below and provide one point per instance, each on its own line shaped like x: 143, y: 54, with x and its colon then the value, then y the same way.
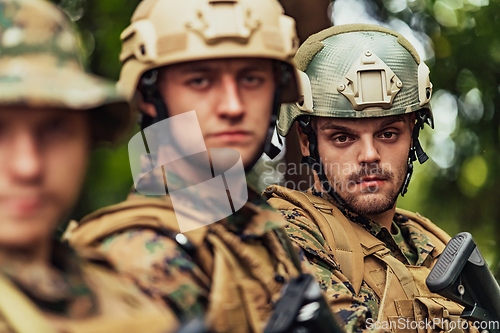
x: 184, y: 276
x: 61, y: 291
x: 413, y: 248
x: 41, y: 66
x: 77, y: 296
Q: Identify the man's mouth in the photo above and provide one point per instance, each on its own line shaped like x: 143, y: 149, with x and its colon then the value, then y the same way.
x: 371, y: 181
x: 24, y: 205
x: 231, y: 136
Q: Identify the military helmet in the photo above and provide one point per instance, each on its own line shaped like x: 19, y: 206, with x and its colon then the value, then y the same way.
x: 165, y: 32
x: 359, y: 71
x: 40, y: 66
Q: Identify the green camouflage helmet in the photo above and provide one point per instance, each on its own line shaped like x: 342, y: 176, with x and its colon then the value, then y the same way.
x: 40, y: 66
x: 359, y: 71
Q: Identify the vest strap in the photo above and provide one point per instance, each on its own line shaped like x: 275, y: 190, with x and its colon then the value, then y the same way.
x: 348, y: 250
x: 19, y: 311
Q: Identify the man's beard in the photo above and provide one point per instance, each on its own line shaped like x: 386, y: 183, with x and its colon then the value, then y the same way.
x: 370, y: 204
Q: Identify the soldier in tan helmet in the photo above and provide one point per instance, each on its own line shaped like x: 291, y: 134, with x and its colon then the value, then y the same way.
x: 231, y: 63
x: 51, y: 115
x: 359, y: 121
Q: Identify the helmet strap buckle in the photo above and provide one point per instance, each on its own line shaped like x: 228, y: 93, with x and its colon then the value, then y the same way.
x: 283, y: 77
x: 151, y: 94
x: 416, y: 152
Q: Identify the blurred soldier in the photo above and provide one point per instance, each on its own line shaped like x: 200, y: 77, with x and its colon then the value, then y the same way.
x: 51, y: 114
x: 359, y: 125
x: 231, y: 62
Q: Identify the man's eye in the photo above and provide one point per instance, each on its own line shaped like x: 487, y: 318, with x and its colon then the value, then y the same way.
x: 55, y: 128
x: 341, y: 138
x: 388, y: 135
x: 199, y: 82
x: 54, y: 125
x: 251, y: 80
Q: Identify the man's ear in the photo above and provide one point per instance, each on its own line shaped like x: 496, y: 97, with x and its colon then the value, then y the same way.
x: 304, y: 143
x: 146, y: 107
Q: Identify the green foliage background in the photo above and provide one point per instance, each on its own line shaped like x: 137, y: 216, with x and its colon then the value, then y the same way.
x: 461, y: 196
x: 99, y: 24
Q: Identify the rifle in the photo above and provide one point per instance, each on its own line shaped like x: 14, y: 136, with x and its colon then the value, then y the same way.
x: 462, y: 275
x: 302, y: 308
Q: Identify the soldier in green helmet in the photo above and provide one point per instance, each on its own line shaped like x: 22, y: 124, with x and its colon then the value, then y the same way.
x: 367, y: 98
x: 51, y: 115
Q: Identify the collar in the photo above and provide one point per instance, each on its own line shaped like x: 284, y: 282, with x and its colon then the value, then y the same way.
x: 56, y: 287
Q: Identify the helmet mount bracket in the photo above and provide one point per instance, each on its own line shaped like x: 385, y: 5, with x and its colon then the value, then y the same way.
x: 370, y: 83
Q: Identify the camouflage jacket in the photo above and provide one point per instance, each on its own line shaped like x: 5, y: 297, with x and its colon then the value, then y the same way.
x: 74, y: 295
x: 354, y: 308
x: 198, y: 277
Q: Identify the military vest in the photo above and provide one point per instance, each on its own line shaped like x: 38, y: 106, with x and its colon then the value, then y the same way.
x: 243, y: 283
x: 404, y: 296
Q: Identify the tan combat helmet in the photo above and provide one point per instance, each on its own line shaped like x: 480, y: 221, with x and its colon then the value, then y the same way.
x: 40, y: 66
x: 360, y: 71
x: 165, y: 32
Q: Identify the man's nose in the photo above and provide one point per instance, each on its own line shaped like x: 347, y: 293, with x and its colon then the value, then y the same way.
x: 230, y: 103
x: 368, y: 151
x: 25, y: 159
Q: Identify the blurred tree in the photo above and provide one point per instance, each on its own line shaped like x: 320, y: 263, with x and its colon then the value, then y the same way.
x: 99, y: 25
x: 459, y: 187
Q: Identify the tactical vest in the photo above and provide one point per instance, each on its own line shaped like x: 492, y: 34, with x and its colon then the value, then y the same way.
x: 243, y: 284
x: 119, y: 309
x: 404, y: 296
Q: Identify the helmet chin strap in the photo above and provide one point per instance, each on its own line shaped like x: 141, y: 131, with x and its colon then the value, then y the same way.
x: 151, y: 94
x: 416, y: 151
x: 284, y: 75
x: 269, y: 148
x: 314, y: 160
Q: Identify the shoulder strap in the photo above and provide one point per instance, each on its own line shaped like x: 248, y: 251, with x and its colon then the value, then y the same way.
x: 144, y: 212
x: 437, y: 235
x: 20, y: 313
x: 348, y: 250
x: 282, y: 199
x: 334, y: 226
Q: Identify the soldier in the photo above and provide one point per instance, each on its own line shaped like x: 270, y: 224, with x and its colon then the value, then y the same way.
x: 51, y: 114
x: 231, y: 62
x: 359, y: 125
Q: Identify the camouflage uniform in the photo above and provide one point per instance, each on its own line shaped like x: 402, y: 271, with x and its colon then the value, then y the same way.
x: 193, y: 277
x: 40, y: 67
x: 77, y: 296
